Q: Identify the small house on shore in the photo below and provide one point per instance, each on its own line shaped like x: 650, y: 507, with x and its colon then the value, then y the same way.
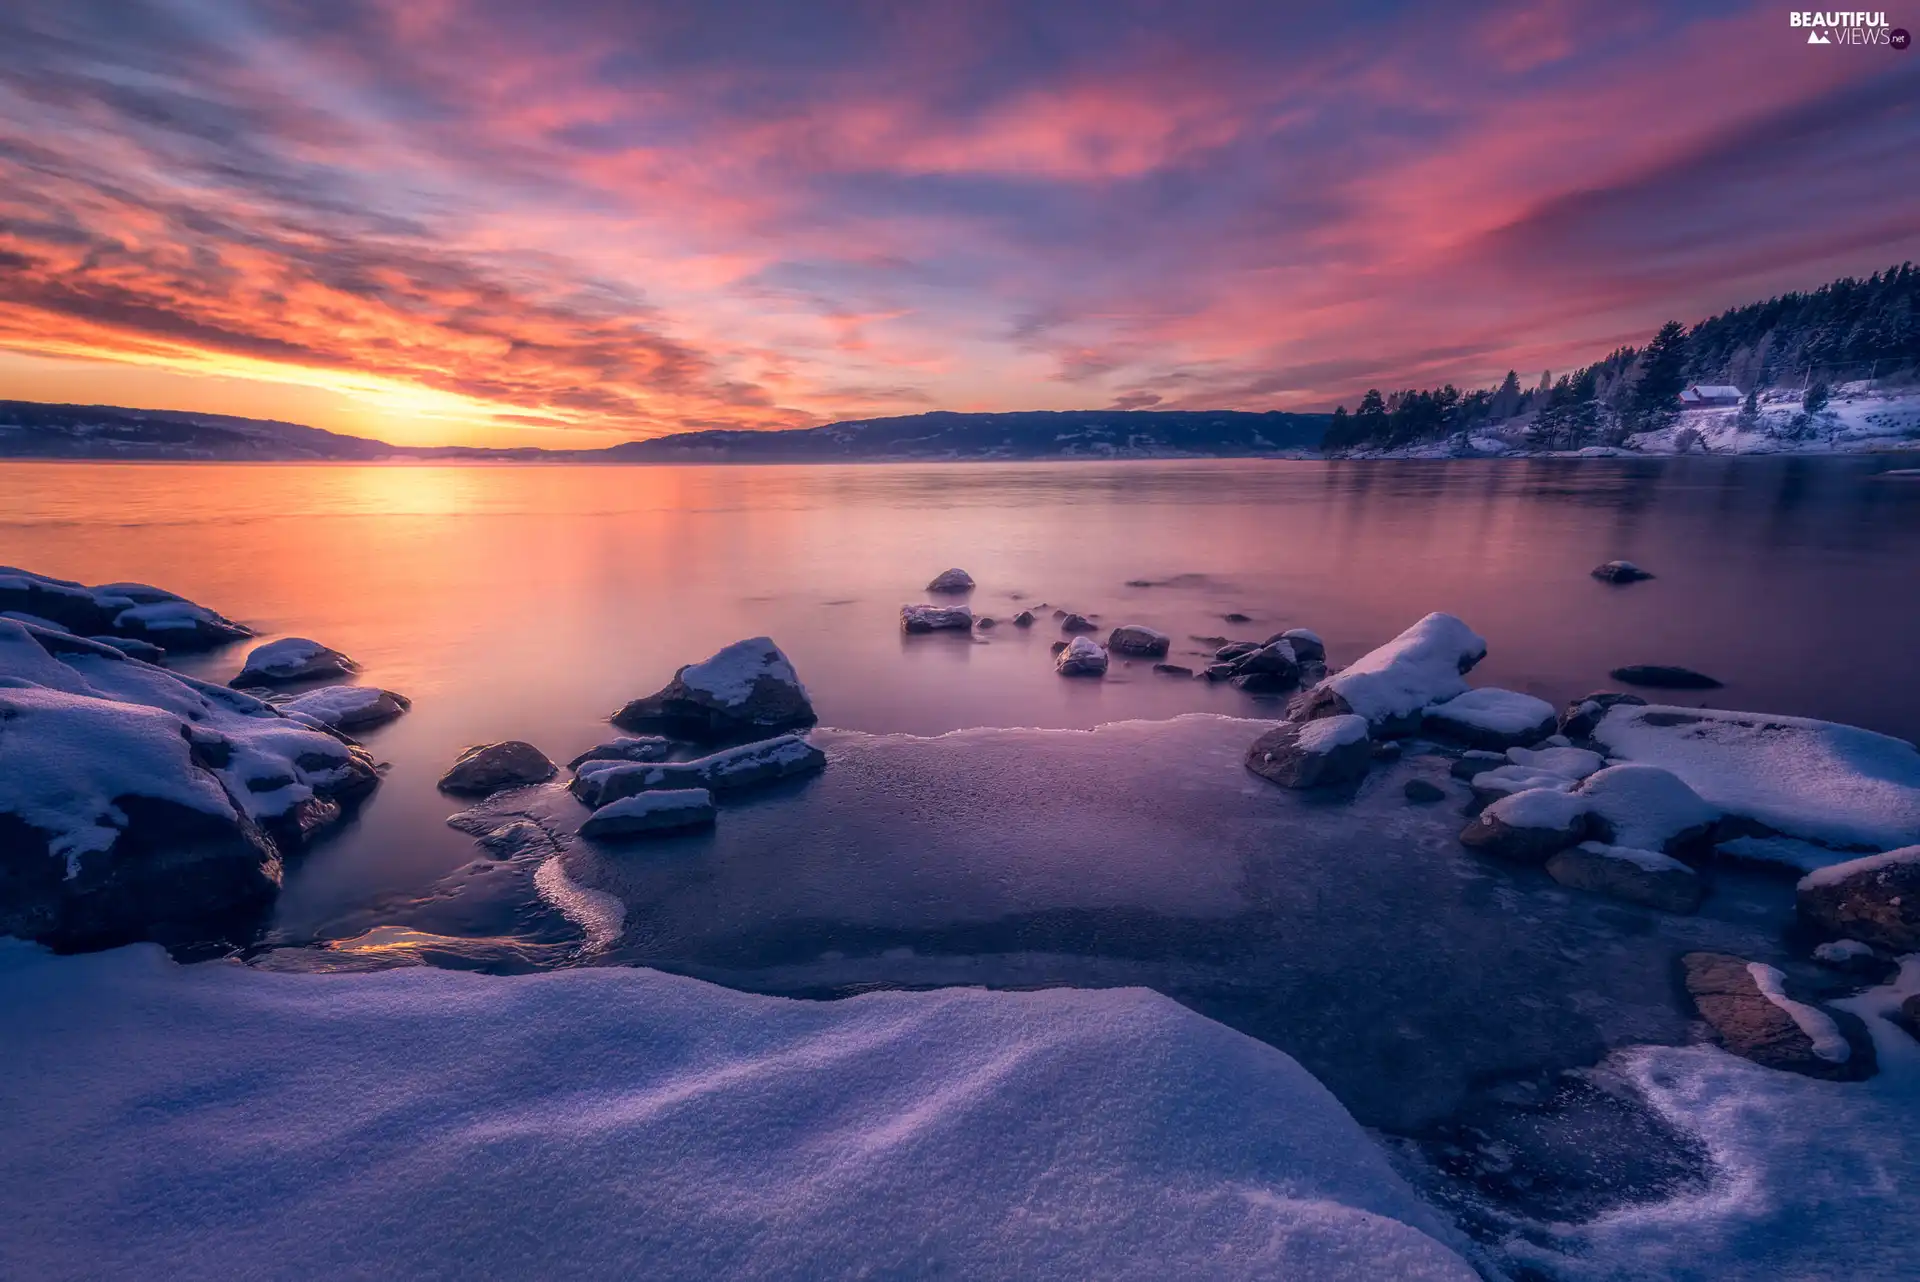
x: 1701, y: 395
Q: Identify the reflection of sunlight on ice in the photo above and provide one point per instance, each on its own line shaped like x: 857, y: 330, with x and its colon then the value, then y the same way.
x: 599, y: 915
x: 394, y: 939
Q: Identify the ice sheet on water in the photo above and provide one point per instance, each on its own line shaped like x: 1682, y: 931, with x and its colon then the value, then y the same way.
x: 617, y: 1123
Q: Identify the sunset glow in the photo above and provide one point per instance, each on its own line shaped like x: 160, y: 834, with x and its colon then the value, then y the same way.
x: 476, y: 222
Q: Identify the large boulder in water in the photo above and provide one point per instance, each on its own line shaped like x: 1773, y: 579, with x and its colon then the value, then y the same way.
x: 1752, y: 1012
x: 1623, y: 872
x: 491, y: 767
x: 290, y: 660
x: 134, y: 611
x: 1392, y: 685
x: 917, y: 619
x: 1326, y: 753
x: 1661, y: 676
x: 1620, y: 572
x: 1138, y: 640
x: 139, y: 804
x: 954, y: 580
x: 1082, y: 658
x: 1875, y: 899
x: 747, y: 690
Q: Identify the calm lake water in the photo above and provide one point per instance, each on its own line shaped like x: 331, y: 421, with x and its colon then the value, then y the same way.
x: 528, y: 602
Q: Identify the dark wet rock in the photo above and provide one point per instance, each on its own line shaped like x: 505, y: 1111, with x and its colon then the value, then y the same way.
x: 1851, y: 957
x: 1083, y: 658
x: 1218, y: 672
x: 290, y: 660
x: 1388, y: 750
x: 1138, y: 641
x: 1057, y: 647
x: 746, y: 690
x: 1328, y: 753
x: 347, y: 707
x: 1275, y: 660
x: 1637, y: 876
x: 1139, y: 583
x: 1057, y: 613
x: 145, y: 651
x: 1528, y: 827
x: 955, y: 580
x: 1237, y: 617
x: 1908, y: 1016
x: 1263, y: 683
x: 514, y: 839
x: 1755, y: 1025
x: 491, y: 767
x: 1024, y: 619
x: 1235, y: 650
x: 986, y: 621
x: 1875, y: 899
x: 133, y: 611
x: 1582, y: 715
x: 1211, y: 640
x: 1664, y: 677
x: 1172, y: 670
x: 1620, y: 572
x: 731, y: 770
x: 1491, y: 719
x: 1476, y: 761
x: 1078, y: 623
x: 1306, y: 644
x: 916, y: 619
x: 650, y: 814
x: 647, y: 747
x: 1424, y: 793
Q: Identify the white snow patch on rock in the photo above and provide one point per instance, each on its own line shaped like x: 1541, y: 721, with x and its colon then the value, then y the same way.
x: 1423, y: 665
x: 729, y: 675
x: 671, y: 1130
x: 1328, y: 733
x: 1645, y: 806
x: 1568, y: 763
x: 1834, y: 874
x: 1504, y: 712
x: 1820, y: 1029
x: 1839, y: 952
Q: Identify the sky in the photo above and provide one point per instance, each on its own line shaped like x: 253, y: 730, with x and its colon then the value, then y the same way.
x: 584, y: 221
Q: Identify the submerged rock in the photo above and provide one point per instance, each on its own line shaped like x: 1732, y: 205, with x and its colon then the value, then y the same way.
x: 1423, y: 792
x: 954, y: 580
x: 347, y: 707
x: 650, y: 814
x: 1234, y: 616
x: 1024, y: 619
x: 491, y: 767
x: 745, y: 690
x: 935, y: 618
x: 1134, y: 639
x: 1477, y: 761
x: 1082, y: 658
x: 731, y: 770
x: 1751, y: 1012
x: 1851, y: 957
x: 1491, y: 719
x: 646, y: 747
x: 1620, y: 572
x: 1173, y: 670
x: 1663, y: 677
x: 1393, y: 684
x: 290, y: 660
x: 1327, y: 753
x: 139, y: 804
x: 1875, y: 899
x: 1623, y: 872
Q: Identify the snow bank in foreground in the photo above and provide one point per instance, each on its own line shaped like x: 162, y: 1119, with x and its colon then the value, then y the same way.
x: 1815, y: 1179
x: 626, y: 1123
x: 1833, y: 784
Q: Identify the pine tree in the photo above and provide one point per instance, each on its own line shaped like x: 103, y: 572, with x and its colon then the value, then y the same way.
x: 1663, y: 373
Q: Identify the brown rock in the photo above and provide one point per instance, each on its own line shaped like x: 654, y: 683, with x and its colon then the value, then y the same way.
x: 1752, y: 1026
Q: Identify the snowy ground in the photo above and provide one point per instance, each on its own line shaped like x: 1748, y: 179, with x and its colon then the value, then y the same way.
x: 181, y: 1122
x: 1850, y: 424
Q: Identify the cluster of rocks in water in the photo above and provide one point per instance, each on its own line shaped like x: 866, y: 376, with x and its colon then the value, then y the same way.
x: 1555, y: 789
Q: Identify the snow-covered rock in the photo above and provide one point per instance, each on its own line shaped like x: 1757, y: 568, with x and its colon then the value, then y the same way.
x: 1647, y: 808
x: 646, y: 813
x: 1504, y: 781
x: 490, y: 767
x: 134, y: 611
x: 292, y: 659
x: 1390, y: 686
x: 1582, y: 715
x: 1567, y: 761
x: 1875, y: 899
x: 1623, y: 872
x: 954, y: 580
x: 1491, y: 719
x: 1084, y: 657
x: 347, y: 707
x: 615, y: 1122
x: 145, y: 651
x: 1528, y: 827
x: 935, y: 618
x: 1748, y: 1006
x: 1620, y: 572
x: 646, y: 747
x: 1139, y: 640
x: 136, y: 803
x: 1270, y: 669
x: 1306, y: 644
x: 1851, y: 957
x: 1835, y: 785
x: 747, y: 689
x: 730, y: 770
x: 1324, y: 753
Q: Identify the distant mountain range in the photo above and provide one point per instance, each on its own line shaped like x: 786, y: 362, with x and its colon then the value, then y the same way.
x: 31, y: 429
